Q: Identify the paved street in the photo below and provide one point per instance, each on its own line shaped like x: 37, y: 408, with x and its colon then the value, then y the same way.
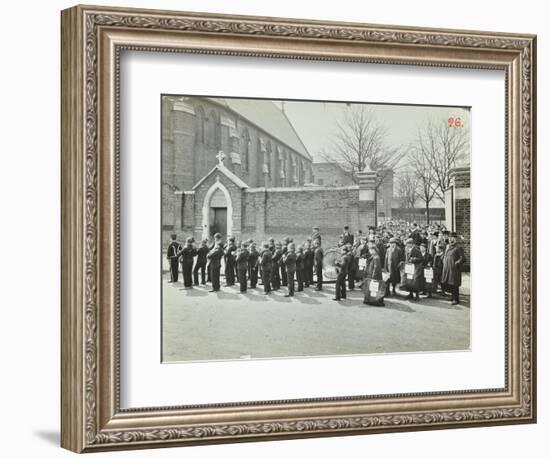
x: 199, y: 325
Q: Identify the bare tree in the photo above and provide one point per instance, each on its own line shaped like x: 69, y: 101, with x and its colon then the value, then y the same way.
x: 407, y: 190
x: 426, y: 179
x: 441, y: 147
x: 360, y: 143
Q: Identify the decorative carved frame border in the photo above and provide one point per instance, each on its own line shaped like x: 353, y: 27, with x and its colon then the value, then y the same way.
x: 92, y: 39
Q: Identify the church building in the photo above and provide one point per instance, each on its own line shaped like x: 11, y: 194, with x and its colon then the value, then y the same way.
x: 237, y: 166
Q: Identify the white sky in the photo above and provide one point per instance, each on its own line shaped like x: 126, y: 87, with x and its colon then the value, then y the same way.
x: 315, y: 122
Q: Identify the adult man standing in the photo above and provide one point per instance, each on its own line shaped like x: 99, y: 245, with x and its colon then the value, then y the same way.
x: 187, y: 255
x: 172, y: 256
x: 318, y: 263
x: 452, y: 268
x: 266, y: 264
x: 394, y: 260
x: 215, y: 257
x: 289, y: 260
x: 342, y: 269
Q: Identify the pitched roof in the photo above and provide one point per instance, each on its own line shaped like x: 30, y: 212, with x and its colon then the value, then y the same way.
x: 268, y: 117
x: 228, y: 173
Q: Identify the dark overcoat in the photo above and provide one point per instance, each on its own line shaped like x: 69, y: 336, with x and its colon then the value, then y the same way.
x: 416, y: 283
x: 452, y: 265
x: 394, y: 258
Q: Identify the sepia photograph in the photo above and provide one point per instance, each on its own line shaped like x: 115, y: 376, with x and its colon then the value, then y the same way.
x: 305, y: 228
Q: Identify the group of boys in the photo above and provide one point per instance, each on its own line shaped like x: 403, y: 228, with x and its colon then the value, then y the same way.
x: 396, y: 253
x: 276, y: 264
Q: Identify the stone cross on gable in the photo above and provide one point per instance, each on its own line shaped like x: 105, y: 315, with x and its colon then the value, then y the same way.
x: 220, y: 157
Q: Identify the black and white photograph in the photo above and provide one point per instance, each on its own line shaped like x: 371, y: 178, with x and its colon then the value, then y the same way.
x: 295, y: 228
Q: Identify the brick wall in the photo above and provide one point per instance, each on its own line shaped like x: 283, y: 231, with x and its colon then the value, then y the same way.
x: 293, y: 212
x: 462, y: 223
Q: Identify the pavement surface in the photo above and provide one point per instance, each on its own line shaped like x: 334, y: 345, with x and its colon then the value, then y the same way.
x: 200, y: 325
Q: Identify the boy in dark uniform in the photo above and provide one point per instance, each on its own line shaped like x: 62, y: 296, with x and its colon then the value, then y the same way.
x: 308, y: 264
x: 352, y: 269
x: 284, y: 250
x: 229, y: 258
x: 342, y: 269
x: 300, y: 269
x: 217, y: 238
x: 318, y: 263
x: 289, y: 260
x: 172, y: 255
x: 187, y: 255
x: 200, y: 264
x: 242, y: 266
x: 266, y: 265
x: 316, y: 235
x: 215, y: 258
x: 253, y: 256
x: 276, y: 259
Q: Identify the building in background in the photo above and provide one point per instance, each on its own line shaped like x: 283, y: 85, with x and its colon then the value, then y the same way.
x: 330, y: 174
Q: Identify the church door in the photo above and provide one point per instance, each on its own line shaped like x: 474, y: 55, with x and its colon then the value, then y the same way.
x: 219, y: 221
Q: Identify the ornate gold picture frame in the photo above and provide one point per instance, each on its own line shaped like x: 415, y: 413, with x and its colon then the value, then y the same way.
x: 92, y: 41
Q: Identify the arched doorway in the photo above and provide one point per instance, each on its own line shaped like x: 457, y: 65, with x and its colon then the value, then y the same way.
x: 217, y: 211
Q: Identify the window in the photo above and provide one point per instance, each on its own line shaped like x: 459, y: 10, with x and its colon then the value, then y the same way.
x: 245, y: 148
x: 200, y: 124
x: 268, y: 159
x: 320, y: 181
x: 212, y: 130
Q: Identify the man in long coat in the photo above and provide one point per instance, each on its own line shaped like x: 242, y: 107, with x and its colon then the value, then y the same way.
x: 414, y: 256
x: 452, y: 268
x: 394, y: 259
x: 187, y: 255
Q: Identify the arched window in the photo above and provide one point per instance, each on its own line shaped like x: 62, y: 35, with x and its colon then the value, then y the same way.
x: 245, y: 149
x: 212, y: 130
x: 267, y: 160
x: 200, y: 117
